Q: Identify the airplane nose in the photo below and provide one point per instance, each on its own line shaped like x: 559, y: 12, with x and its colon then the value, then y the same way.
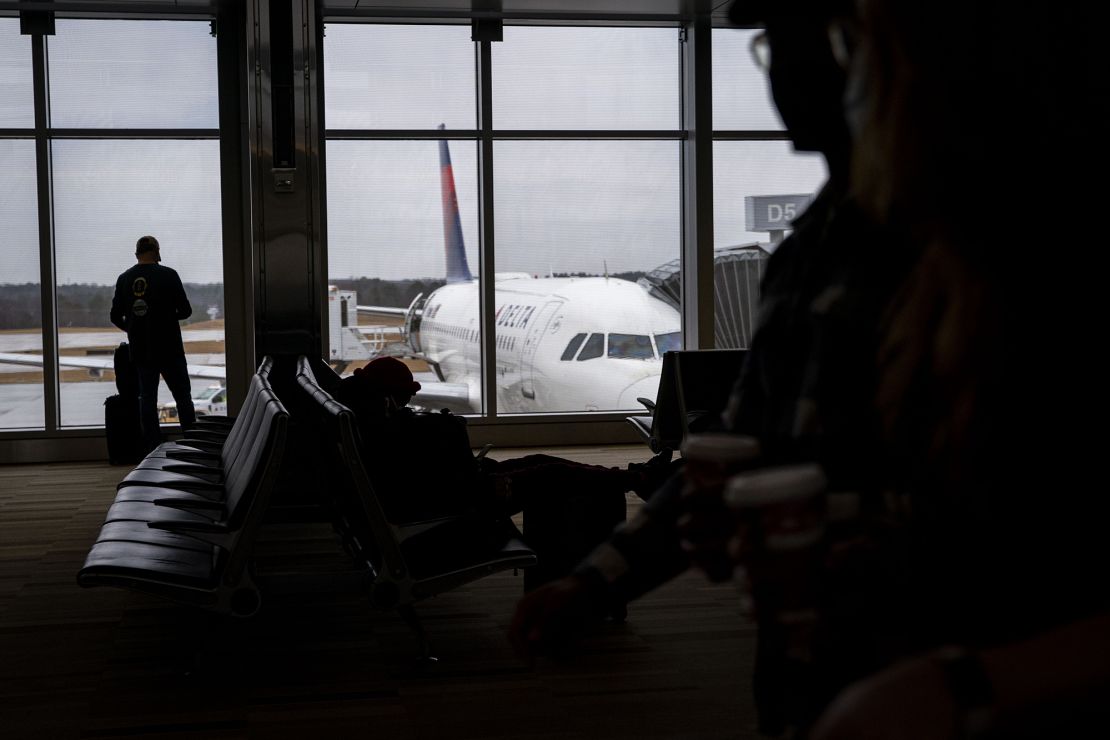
x: 644, y: 387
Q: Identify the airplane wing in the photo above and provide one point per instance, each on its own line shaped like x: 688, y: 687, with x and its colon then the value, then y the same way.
x: 435, y: 395
x: 213, y: 372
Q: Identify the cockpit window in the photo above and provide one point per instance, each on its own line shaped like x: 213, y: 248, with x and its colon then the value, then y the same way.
x: 668, y: 342
x: 572, y: 347
x: 595, y: 347
x: 631, y: 346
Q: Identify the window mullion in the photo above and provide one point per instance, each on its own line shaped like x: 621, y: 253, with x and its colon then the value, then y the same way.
x: 47, y: 273
x: 697, y: 185
x: 486, y: 261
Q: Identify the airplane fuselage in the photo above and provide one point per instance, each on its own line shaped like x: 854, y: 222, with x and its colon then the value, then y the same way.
x: 563, y: 344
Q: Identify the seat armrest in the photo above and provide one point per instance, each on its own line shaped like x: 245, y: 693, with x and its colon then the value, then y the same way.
x: 206, y: 527
x: 187, y: 504
x: 203, y: 445
x: 194, y: 456
x: 213, y: 475
x: 202, y: 435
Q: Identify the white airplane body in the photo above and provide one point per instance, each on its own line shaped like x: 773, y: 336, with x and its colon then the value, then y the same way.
x: 563, y: 344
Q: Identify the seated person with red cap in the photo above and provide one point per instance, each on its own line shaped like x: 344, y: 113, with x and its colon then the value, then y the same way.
x: 422, y: 464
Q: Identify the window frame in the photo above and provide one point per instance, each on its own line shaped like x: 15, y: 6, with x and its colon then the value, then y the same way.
x: 486, y: 135
x: 43, y: 133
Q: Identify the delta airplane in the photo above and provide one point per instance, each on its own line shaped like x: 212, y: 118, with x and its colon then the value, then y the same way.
x: 563, y: 344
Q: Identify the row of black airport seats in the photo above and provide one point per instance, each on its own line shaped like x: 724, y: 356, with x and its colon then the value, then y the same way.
x: 184, y: 521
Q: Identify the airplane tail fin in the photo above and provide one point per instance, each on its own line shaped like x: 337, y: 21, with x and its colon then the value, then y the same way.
x: 458, y: 271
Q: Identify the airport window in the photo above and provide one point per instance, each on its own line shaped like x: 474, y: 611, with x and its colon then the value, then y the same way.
x: 131, y: 135
x: 595, y: 347
x: 631, y: 346
x: 572, y: 347
x: 132, y: 74
x: 591, y: 217
x: 551, y: 77
x: 760, y: 184
x: 590, y: 203
x: 132, y: 197
x: 16, y: 91
x: 21, y: 386
x: 398, y: 77
x: 741, y: 97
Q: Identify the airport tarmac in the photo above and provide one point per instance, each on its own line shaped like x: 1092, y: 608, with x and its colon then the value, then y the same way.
x: 82, y: 404
x: 32, y: 341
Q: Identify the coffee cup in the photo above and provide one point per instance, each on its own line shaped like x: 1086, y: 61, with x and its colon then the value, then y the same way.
x: 781, y: 512
x: 784, y: 504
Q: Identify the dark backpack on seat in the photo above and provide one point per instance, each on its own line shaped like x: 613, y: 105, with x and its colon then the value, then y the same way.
x: 423, y: 464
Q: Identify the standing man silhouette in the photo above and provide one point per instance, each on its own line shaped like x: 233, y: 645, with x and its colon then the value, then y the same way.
x: 148, y: 302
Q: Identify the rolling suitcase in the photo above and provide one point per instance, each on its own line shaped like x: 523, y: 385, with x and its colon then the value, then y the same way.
x: 121, y: 412
x: 121, y: 428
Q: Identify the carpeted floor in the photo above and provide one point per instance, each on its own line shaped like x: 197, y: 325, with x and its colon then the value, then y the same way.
x: 319, y: 663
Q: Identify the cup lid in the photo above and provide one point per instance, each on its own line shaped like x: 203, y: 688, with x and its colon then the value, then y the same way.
x: 774, y: 485
x: 721, y: 448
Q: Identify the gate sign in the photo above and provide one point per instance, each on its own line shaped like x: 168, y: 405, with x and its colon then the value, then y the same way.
x: 773, y: 212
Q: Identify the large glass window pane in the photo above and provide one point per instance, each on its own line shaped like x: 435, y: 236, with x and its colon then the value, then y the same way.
x: 741, y: 96
x: 392, y: 237
x: 21, y: 388
x: 133, y: 74
x: 586, y: 78
x: 398, y: 77
x: 578, y: 223
x: 108, y: 193
x: 759, y: 187
x: 18, y: 107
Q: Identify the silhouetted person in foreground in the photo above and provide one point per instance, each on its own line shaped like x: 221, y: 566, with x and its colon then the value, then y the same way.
x: 424, y: 467
x: 992, y: 392
x: 149, y: 302
x: 806, y: 389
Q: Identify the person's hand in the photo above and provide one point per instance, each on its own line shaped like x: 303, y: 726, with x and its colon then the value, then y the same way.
x: 909, y: 701
x: 551, y: 616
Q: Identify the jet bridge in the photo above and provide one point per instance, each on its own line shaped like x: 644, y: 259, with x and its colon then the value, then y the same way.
x: 737, y: 272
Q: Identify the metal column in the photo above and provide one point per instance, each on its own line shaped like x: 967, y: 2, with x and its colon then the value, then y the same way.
x: 697, y: 181
x: 286, y: 145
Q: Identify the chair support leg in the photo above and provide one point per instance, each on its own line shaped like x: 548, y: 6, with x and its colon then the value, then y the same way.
x: 408, y: 613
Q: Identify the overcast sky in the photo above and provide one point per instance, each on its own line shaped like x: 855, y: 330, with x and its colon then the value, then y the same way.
x: 561, y: 205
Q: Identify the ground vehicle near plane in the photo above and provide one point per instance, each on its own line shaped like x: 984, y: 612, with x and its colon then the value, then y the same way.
x: 208, y: 401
